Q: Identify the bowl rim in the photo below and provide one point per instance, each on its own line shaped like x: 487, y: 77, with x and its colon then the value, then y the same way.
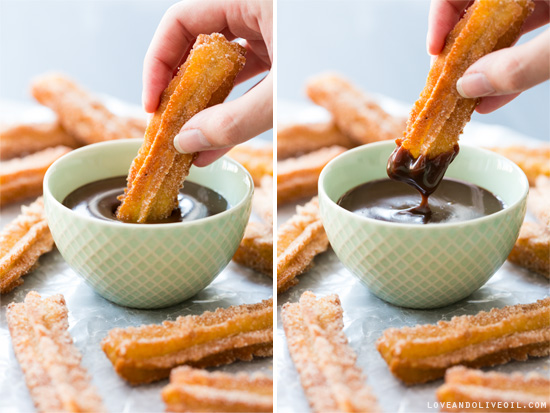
x: 145, y: 227
x: 475, y: 221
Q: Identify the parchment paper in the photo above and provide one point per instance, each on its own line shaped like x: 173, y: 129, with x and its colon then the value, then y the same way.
x: 366, y: 316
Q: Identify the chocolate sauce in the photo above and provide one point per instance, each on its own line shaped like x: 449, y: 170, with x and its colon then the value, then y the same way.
x: 452, y: 201
x: 99, y: 199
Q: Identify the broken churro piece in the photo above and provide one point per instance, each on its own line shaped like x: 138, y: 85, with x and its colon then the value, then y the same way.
x: 423, y: 353
x: 430, y: 142
x: 158, y: 171
x: 194, y: 390
x: 25, y: 138
x: 22, y: 178
x: 298, y: 177
x: 299, y: 240
x: 532, y: 248
x: 22, y: 242
x: 257, y: 160
x: 533, y: 161
x: 326, y: 363
x: 51, y: 363
x: 469, y: 390
x: 148, y: 353
x: 301, y: 138
x: 355, y: 113
x: 81, y: 114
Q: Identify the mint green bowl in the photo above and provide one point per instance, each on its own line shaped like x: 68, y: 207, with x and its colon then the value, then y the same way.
x: 144, y: 266
x: 422, y: 266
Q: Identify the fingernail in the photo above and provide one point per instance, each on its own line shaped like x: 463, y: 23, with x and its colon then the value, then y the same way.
x: 191, y: 141
x: 474, y: 85
x: 432, y: 60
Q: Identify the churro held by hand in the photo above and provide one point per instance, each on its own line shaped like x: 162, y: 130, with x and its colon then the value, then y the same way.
x: 325, y: 361
x: 194, y: 390
x: 50, y: 361
x: 157, y: 173
x: 469, y: 390
x: 430, y: 142
x: 423, y: 353
x: 148, y: 353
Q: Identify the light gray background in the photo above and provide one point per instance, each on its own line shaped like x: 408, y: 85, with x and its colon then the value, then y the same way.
x: 100, y: 43
x: 381, y: 46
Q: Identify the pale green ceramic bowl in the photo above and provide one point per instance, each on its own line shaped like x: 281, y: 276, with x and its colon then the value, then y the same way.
x: 144, y: 266
x: 422, y: 266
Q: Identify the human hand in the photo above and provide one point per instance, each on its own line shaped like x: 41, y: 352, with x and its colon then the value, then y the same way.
x: 213, y: 131
x: 502, y: 75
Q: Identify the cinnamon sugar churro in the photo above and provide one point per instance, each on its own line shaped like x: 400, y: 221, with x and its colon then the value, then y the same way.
x: 22, y: 178
x: 532, y: 248
x: 539, y: 200
x: 193, y: 390
x: 258, y: 160
x: 148, y: 353
x: 430, y: 142
x: 299, y: 240
x: 356, y: 114
x: 533, y: 161
x: 22, y: 242
x: 80, y: 113
x: 326, y: 363
x: 298, y: 177
x: 468, y: 390
x: 51, y: 363
x: 301, y: 138
x: 423, y: 353
x: 158, y: 171
x: 25, y: 138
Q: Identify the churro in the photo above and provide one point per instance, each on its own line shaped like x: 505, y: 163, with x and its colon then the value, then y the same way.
x: 298, y: 177
x: 148, y: 353
x: 299, y: 240
x: 532, y: 248
x: 539, y: 200
x: 258, y: 160
x: 468, y: 390
x: 430, y: 141
x: 51, y: 362
x: 158, y: 171
x: 22, y: 242
x: 355, y: 113
x: 80, y: 113
x: 321, y: 353
x: 25, y: 138
x: 423, y: 353
x: 533, y: 161
x: 301, y: 138
x: 22, y: 178
x: 193, y: 390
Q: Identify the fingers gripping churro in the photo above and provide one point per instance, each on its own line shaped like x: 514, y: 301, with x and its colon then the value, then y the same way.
x: 298, y: 177
x: 51, y: 363
x: 158, y: 171
x: 22, y: 178
x: 22, y: 242
x: 326, y: 363
x: 299, y: 240
x: 355, y: 113
x: 430, y: 142
x: 502, y: 392
x: 423, y: 353
x: 193, y: 390
x: 148, y: 353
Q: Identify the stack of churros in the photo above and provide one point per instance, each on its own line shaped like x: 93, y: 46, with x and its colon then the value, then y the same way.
x: 158, y: 171
x: 22, y: 242
x: 326, y: 363
x: 148, y: 353
x: 51, y: 363
x: 423, y: 353
x: 193, y: 390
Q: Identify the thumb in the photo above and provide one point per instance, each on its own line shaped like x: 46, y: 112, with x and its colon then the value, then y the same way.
x: 229, y: 123
x: 509, y: 70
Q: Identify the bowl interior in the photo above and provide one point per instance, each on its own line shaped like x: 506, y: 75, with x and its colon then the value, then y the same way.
x: 109, y: 159
x: 475, y: 165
